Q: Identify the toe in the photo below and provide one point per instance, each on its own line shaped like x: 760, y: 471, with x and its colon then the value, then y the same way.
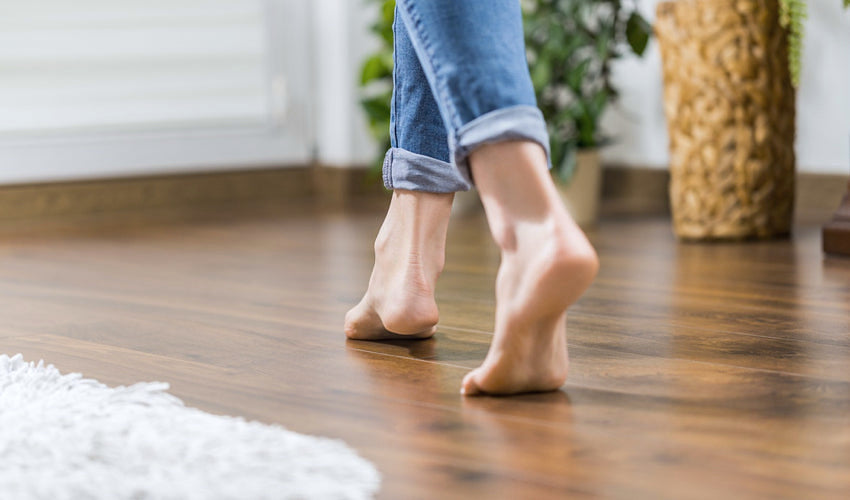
x: 469, y: 386
x: 361, y: 322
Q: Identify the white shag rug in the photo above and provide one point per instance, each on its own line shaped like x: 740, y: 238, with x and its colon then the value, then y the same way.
x: 67, y: 437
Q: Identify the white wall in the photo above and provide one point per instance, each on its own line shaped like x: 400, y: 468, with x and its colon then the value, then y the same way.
x: 823, y: 99
x: 341, y: 40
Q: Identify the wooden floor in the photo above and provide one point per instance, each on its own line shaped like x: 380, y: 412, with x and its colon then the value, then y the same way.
x: 698, y: 371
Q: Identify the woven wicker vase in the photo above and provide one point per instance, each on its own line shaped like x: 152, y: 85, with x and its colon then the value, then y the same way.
x: 730, y: 112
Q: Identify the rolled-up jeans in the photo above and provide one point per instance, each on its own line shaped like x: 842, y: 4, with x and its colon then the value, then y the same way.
x: 460, y: 80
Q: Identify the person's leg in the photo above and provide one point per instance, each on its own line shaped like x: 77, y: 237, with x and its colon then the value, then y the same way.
x: 547, y: 263
x: 410, y: 248
x: 473, y: 55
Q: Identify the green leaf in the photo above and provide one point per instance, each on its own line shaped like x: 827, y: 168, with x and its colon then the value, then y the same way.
x: 379, y: 129
x: 377, y: 66
x: 388, y: 11
x: 567, y: 166
x: 603, y: 42
x: 541, y: 73
x: 572, y: 44
x: 792, y: 13
x: 385, y: 24
x: 576, y: 77
x: 597, y: 105
x: 377, y: 108
x: 637, y: 33
x: 557, y: 150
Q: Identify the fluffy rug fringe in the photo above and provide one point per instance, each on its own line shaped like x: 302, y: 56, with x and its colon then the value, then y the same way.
x: 68, y: 437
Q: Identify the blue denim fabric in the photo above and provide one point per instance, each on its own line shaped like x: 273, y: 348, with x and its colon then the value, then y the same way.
x: 460, y: 80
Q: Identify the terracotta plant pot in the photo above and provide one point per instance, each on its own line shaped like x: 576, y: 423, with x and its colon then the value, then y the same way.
x: 581, y: 194
x: 466, y: 202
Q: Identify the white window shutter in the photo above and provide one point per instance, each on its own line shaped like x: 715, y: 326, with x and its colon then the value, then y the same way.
x: 128, y: 75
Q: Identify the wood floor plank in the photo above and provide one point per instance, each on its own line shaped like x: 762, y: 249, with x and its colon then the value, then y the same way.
x: 306, y: 407
x: 697, y: 371
x: 777, y: 355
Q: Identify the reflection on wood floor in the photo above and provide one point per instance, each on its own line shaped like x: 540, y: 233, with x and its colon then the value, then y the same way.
x: 698, y: 371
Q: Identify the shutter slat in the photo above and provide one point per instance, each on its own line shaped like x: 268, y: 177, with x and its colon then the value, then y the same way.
x: 131, y: 65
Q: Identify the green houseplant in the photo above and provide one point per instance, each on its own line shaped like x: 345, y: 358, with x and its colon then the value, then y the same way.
x: 792, y: 14
x: 376, y: 78
x: 571, y: 45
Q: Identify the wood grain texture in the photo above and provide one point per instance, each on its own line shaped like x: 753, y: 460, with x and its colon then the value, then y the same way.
x: 698, y: 371
x: 175, y: 193
x: 836, y: 233
x: 627, y: 191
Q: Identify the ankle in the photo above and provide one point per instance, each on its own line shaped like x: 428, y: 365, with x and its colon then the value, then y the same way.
x: 555, y: 241
x: 414, y: 232
x: 421, y: 203
x: 571, y: 254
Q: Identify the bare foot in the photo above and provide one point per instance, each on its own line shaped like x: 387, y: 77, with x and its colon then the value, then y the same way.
x: 409, y: 256
x: 547, y: 263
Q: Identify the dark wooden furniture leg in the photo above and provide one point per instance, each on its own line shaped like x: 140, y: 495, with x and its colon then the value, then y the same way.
x: 836, y: 234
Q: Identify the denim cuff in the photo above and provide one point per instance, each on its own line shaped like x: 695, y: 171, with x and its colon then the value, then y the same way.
x: 406, y: 170
x: 507, y: 124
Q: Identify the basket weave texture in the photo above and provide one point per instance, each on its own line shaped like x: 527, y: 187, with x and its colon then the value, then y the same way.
x: 730, y: 110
